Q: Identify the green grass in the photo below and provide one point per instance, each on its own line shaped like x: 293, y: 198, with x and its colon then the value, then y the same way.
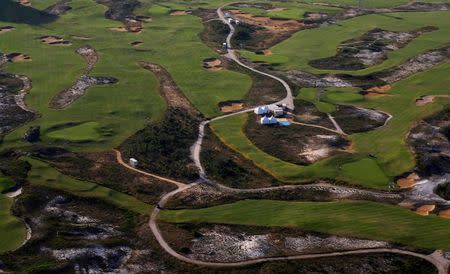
x: 343, y: 95
x: 365, y: 170
x: 230, y: 132
x: 5, y: 183
x: 297, y: 51
x: 83, y: 132
x: 44, y: 175
x: 157, y: 10
x: 123, y: 108
x: 358, y: 219
x: 310, y: 95
x: 13, y: 231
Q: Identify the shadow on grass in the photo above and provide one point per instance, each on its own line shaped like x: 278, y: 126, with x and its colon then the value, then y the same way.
x: 14, y: 12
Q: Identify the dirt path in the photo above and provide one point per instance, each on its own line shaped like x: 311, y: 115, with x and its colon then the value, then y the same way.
x: 317, y: 126
x: 336, y: 125
x: 121, y: 161
x: 289, y: 99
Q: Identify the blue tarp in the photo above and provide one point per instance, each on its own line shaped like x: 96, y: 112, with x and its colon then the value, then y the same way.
x: 284, y: 123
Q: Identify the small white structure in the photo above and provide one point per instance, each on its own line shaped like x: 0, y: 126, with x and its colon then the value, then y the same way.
x: 224, y: 44
x: 133, y: 162
x: 227, y: 15
x: 269, y: 120
x: 261, y: 110
x: 276, y: 110
x: 236, y: 22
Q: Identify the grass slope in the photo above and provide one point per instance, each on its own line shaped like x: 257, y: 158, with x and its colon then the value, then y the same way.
x: 42, y: 174
x: 358, y: 219
x: 297, y: 51
x: 13, y: 231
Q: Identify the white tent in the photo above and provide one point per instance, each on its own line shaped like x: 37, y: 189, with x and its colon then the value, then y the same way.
x: 261, y: 110
x: 268, y: 120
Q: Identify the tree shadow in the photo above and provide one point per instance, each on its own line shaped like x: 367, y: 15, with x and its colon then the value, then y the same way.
x: 14, y: 12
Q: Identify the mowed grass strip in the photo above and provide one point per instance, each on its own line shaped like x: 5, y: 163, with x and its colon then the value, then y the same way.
x: 43, y: 174
x: 346, y: 218
x: 12, y: 231
x: 83, y: 132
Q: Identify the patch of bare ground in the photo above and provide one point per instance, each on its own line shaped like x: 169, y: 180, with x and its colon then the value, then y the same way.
x: 13, y: 110
x: 264, y: 90
x: 429, y: 140
x: 169, y: 90
x: 306, y: 112
x: 59, y: 8
x: 17, y: 57
x: 164, y: 147
x: 424, y: 100
x: 212, y: 64
x: 73, y: 235
x: 258, y: 33
x: 414, y: 65
x: 444, y: 213
x: 305, y: 79
x: 102, y: 168
x: 230, y: 243
x: 231, y: 106
x: 6, y: 29
x: 228, y: 167
x: 214, y: 30
x: 66, y: 97
x: 377, y: 91
x: 295, y: 144
x: 422, y: 6
x: 54, y: 40
x: 180, y: 12
x: 207, y: 195
x: 25, y: 3
x: 358, y: 119
x: 370, y: 49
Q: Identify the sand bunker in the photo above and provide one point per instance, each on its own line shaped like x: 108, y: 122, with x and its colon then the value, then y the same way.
x: 18, y: 57
x: 230, y: 106
x: 444, y: 213
x: 424, y: 100
x: 425, y: 209
x: 409, y: 181
x: 133, y: 25
x: 54, y: 40
x: 81, y: 37
x: 136, y: 43
x: 213, y: 64
x: 273, y: 24
x: 265, y: 52
x: 180, y: 12
x: 119, y: 29
x: 25, y: 3
x: 6, y: 29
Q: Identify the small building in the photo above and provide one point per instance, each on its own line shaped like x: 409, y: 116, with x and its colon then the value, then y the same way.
x: 224, y: 44
x: 268, y: 120
x: 133, y: 162
x: 227, y: 15
x: 276, y: 110
x: 261, y: 110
